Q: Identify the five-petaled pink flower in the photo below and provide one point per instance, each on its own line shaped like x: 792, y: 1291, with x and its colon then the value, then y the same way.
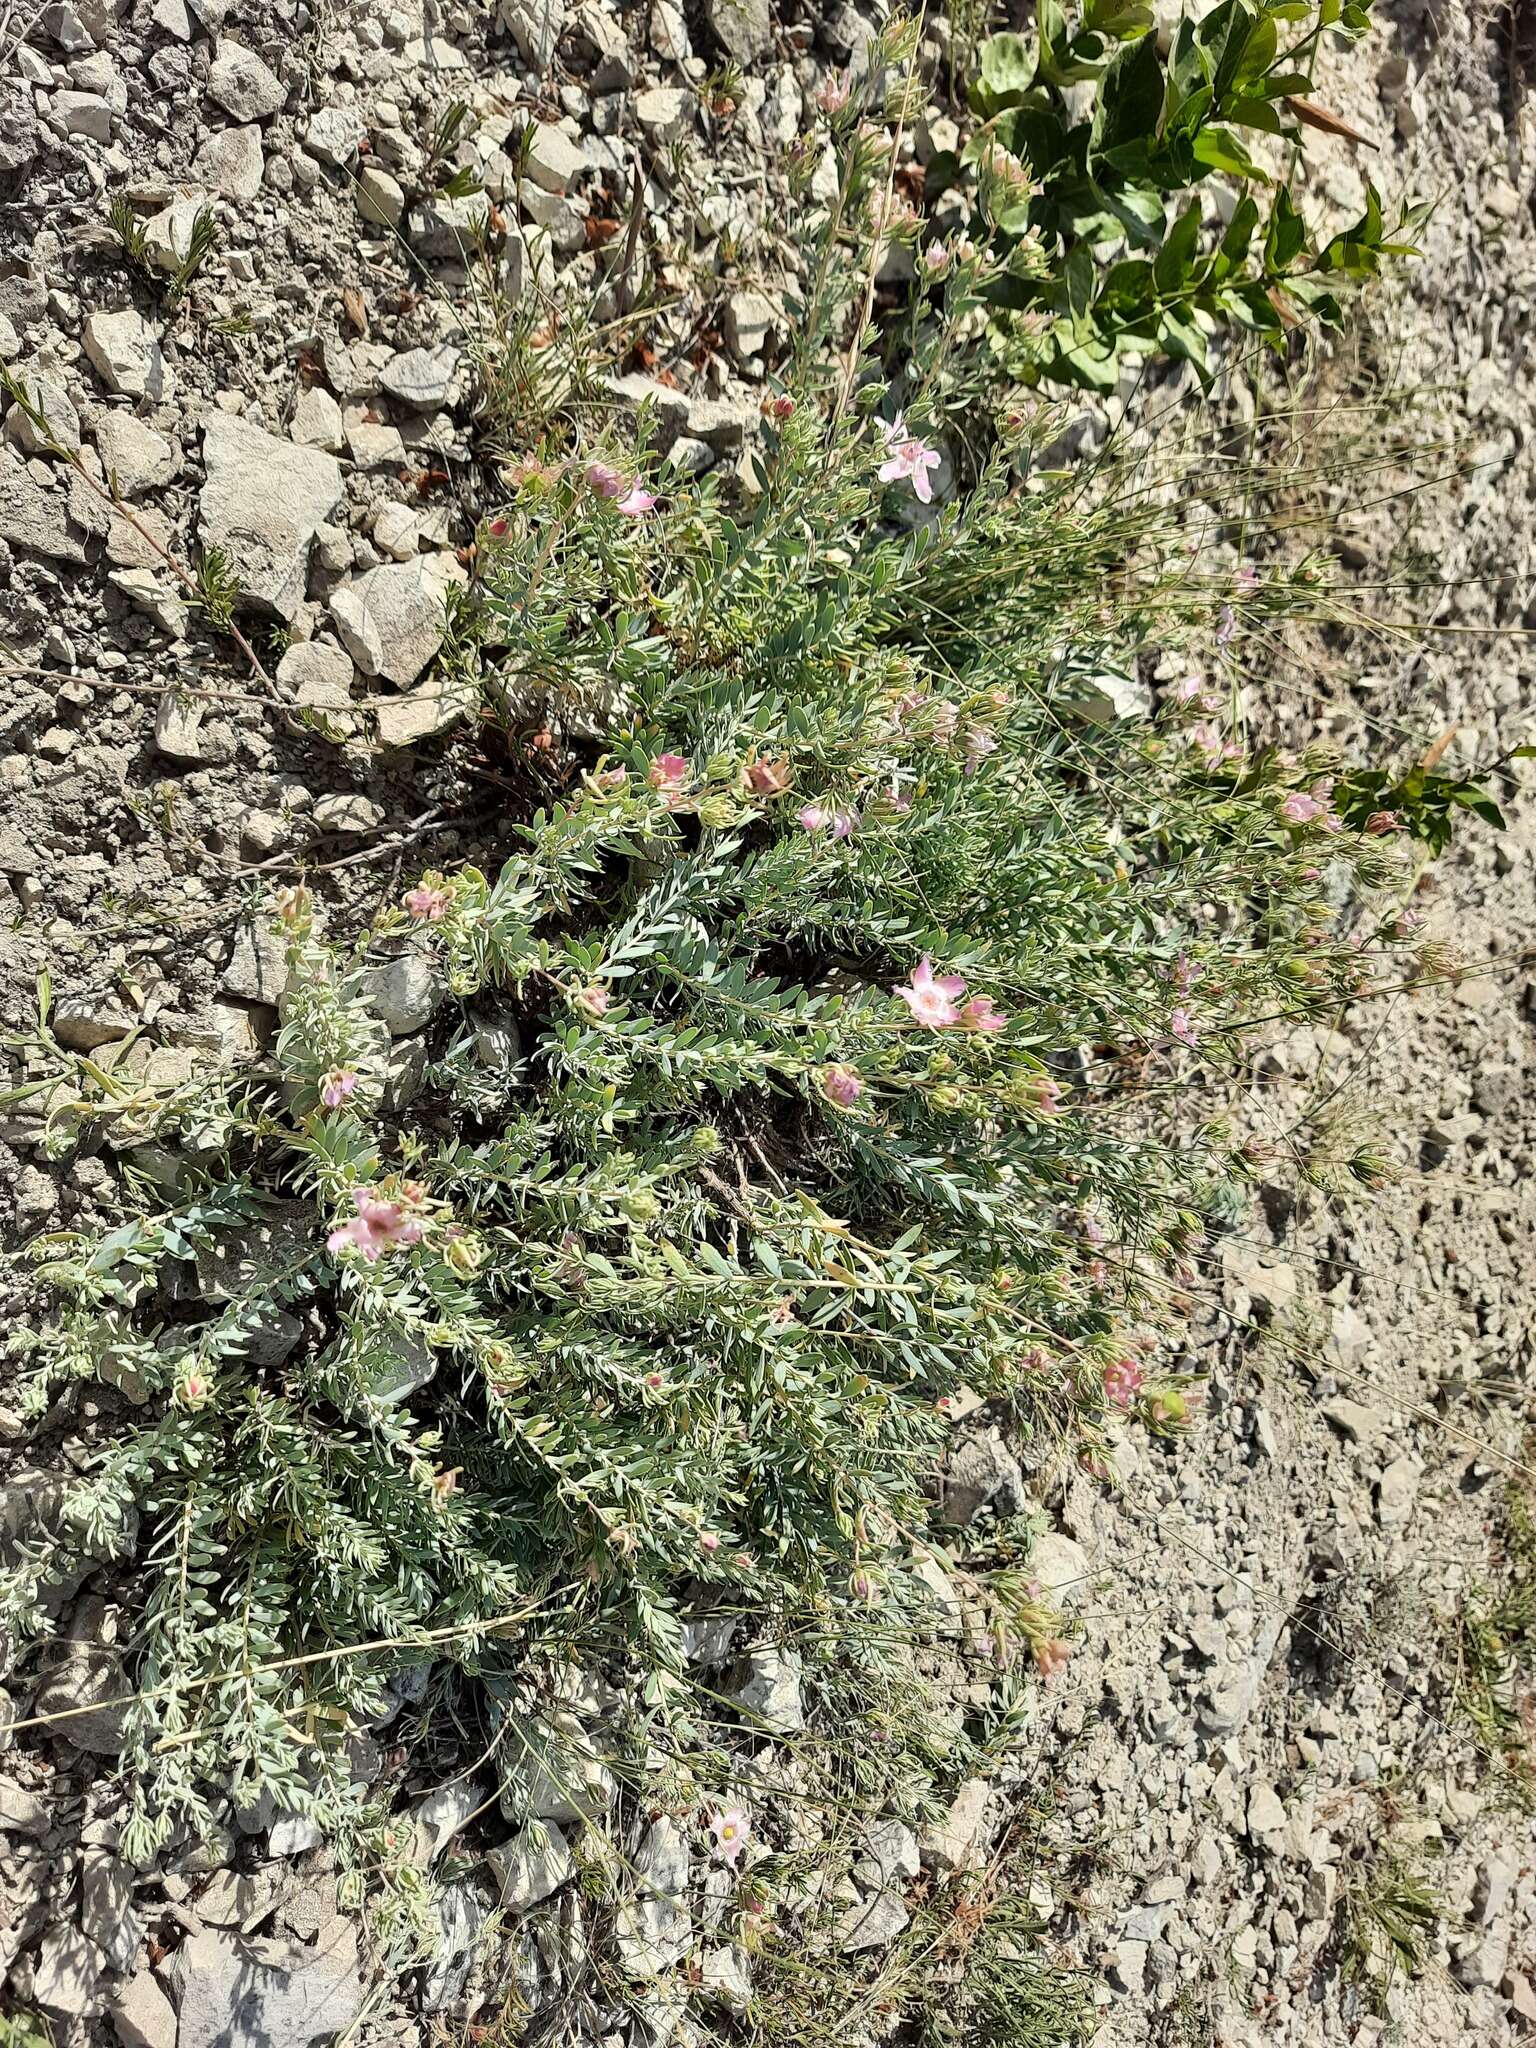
x: 1122, y: 1382
x: 982, y: 1014
x: 814, y: 817
x: 1182, y: 1025
x: 636, y: 501
x: 668, y: 773
x: 605, y: 480
x: 843, y: 1086
x: 379, y: 1223
x: 336, y: 1086
x: 931, y: 998
x: 730, y: 1828
x: 907, y: 459
x: 843, y: 822
x: 424, y: 902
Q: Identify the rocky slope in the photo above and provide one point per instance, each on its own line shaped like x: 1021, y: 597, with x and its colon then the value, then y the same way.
x: 1259, y: 1713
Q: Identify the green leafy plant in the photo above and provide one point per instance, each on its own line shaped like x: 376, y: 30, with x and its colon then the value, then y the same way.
x: 620, y: 1226
x: 1387, y: 1913
x: 172, y: 286
x: 1058, y: 190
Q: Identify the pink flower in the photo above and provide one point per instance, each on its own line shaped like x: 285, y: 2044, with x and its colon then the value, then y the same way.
x: 936, y: 259
x: 931, y: 998
x: 1182, y: 1025
x: 1052, y: 1657
x: 1206, y: 737
x: 768, y: 778
x: 336, y: 1086
x: 636, y: 501
x: 944, y: 724
x: 430, y: 904
x: 730, y: 1828
x: 842, y: 1086
x: 1186, y: 973
x: 982, y: 1014
x: 1247, y: 578
x: 1122, y: 1382
x: 814, y: 817
x: 898, y: 801
x: 1187, y: 689
x: 605, y: 480
x: 193, y: 1390
x: 907, y: 459
x: 379, y: 1223
x: 1300, y: 809
x: 843, y: 823
x: 979, y: 742
x: 1226, y: 626
x: 593, y: 1000
x: 708, y: 1540
x: 1047, y: 1096
x: 668, y: 773
x: 834, y: 93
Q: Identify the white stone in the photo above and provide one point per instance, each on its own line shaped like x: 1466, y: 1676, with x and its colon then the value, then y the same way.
x: 261, y: 503
x: 134, y: 457
x: 84, y: 113
x: 242, y: 85
x: 230, y: 162
x: 168, y: 234
x: 654, y: 1927
x: 531, y: 1866
x: 125, y: 352
x: 43, y: 381
x: 379, y: 197
x: 317, y: 421
x: 422, y: 378
x: 333, y: 135
x: 554, y: 162
x: 392, y: 619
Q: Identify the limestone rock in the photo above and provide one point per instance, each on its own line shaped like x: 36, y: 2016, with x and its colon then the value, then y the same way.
x: 230, y: 162
x: 391, y: 619
x: 530, y: 1866
x: 238, y: 1992
x: 425, y: 713
x: 422, y: 378
x: 654, y: 1927
x: 769, y: 1691
x: 125, y: 352
x: 241, y: 84
x: 261, y: 503
x: 32, y: 514
x: 743, y: 28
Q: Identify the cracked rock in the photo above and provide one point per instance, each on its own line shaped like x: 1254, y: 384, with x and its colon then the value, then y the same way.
x: 261, y: 504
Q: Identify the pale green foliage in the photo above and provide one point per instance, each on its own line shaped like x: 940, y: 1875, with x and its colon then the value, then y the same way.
x: 684, y: 1295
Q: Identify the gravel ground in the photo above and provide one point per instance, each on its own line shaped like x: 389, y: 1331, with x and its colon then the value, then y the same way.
x: 1259, y: 1719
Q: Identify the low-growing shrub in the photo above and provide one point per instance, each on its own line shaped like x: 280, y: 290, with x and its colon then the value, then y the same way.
x: 617, y: 1231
